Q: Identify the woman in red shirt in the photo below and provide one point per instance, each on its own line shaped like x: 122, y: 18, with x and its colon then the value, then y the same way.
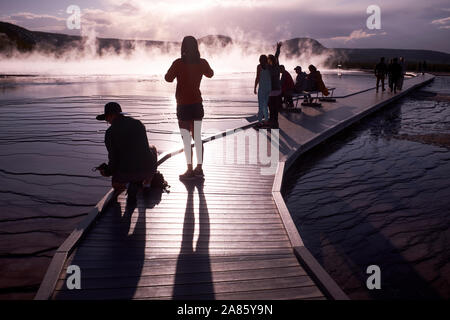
x: 189, y: 70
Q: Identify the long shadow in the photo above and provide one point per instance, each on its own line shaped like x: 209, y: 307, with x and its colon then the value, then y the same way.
x: 193, y: 276
x: 122, y: 258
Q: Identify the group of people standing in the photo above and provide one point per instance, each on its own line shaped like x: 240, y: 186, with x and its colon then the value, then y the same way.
x: 395, y: 71
x: 272, y: 90
x: 269, y: 89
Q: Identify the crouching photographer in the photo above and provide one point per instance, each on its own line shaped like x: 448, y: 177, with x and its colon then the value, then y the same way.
x: 132, y: 162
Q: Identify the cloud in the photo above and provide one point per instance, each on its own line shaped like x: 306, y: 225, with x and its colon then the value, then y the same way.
x: 443, y: 23
x: 42, y: 22
x: 405, y: 24
x: 356, y: 35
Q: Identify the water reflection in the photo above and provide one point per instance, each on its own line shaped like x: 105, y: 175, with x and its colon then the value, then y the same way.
x: 369, y: 196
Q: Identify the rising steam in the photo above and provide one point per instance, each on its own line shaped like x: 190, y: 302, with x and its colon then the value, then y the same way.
x: 240, y: 56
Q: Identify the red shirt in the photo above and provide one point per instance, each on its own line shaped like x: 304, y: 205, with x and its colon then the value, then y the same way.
x: 189, y: 76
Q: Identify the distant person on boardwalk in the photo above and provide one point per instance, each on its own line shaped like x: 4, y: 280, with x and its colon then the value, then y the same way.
x: 419, y: 67
x: 396, y: 72
x: 131, y: 160
x: 390, y: 78
x: 300, y: 80
x: 275, y: 93
x: 264, y: 84
x: 424, y: 67
x: 314, y: 81
x: 402, y: 73
x: 380, y: 73
x: 189, y: 70
x: 287, y: 87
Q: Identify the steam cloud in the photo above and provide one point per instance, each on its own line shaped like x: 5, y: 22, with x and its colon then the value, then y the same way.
x: 240, y: 56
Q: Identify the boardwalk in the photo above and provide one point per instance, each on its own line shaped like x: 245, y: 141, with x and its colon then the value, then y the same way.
x: 228, y: 238
x: 223, y: 239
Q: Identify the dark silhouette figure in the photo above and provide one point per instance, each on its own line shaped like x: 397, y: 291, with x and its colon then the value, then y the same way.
x: 424, y: 67
x: 380, y: 73
x: 395, y: 70
x: 287, y: 87
x: 189, y: 70
x: 275, y: 94
x: 263, y: 82
x: 130, y: 158
x: 300, y: 80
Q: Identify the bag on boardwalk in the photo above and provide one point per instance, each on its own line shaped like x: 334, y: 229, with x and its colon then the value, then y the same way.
x: 158, y: 182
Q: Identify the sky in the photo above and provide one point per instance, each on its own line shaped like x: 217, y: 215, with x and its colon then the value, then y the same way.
x: 405, y: 24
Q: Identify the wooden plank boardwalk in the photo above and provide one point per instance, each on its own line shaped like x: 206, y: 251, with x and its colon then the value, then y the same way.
x: 230, y: 237
x: 221, y: 239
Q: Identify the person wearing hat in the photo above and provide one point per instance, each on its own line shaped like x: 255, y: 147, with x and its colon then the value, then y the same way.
x: 131, y: 160
x: 300, y: 81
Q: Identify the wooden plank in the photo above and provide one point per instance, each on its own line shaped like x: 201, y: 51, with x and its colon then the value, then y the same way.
x: 169, y: 267
x: 323, y: 279
x: 202, y: 208
x: 211, y: 245
x: 212, y: 226
x: 178, y: 237
x: 126, y: 281
x: 159, y: 261
x: 303, y: 293
x: 182, y: 291
x: 291, y: 229
x: 151, y: 232
x: 104, y: 253
x: 278, y: 180
x: 47, y: 286
x: 75, y: 236
x: 199, y: 220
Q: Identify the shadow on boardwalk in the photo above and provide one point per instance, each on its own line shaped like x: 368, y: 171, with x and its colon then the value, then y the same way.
x: 194, y: 260
x: 122, y: 263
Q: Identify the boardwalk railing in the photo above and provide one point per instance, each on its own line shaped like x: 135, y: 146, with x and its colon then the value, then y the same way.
x: 323, y: 279
x: 306, y: 259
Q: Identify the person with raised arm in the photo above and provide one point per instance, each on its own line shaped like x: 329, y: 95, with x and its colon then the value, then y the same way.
x: 275, y: 93
x: 263, y: 82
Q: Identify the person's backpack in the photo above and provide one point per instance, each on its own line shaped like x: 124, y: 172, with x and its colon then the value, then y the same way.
x: 159, y: 182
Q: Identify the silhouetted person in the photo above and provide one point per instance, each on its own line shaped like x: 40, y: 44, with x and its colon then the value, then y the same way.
x: 264, y: 84
x: 275, y: 93
x: 390, y: 78
x: 396, y: 71
x: 287, y: 87
x: 314, y: 81
x: 131, y: 159
x: 424, y: 67
x: 300, y: 80
x: 380, y: 73
x: 402, y: 73
x: 189, y: 70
